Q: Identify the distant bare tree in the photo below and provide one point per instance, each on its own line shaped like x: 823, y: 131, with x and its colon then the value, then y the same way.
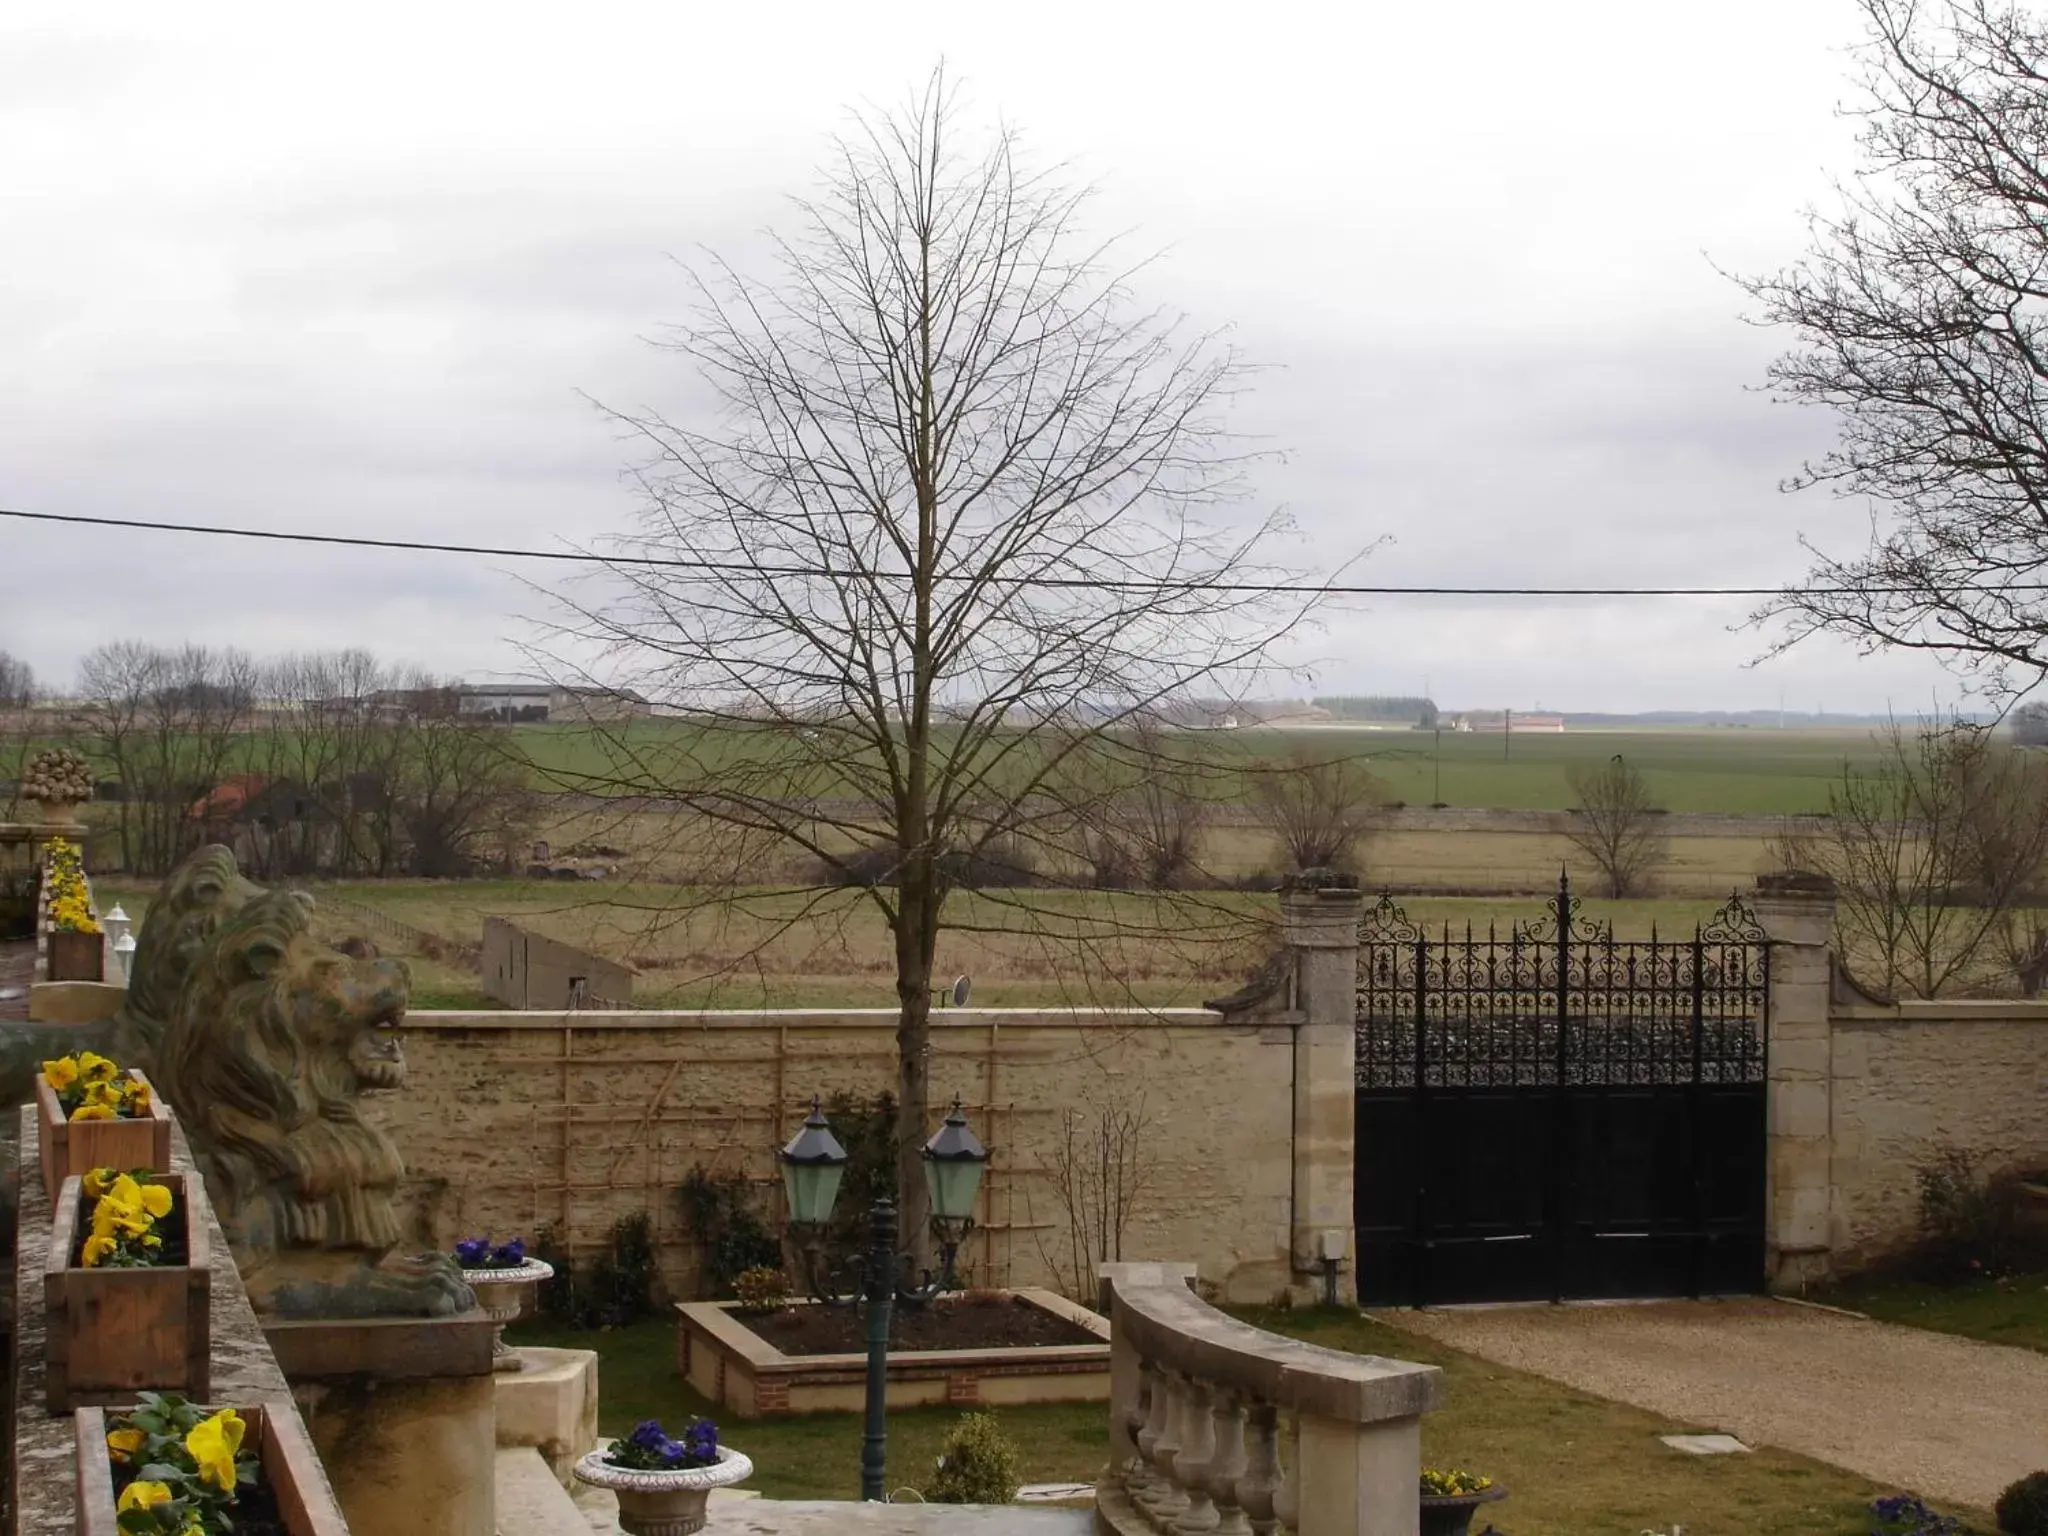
x: 1321, y: 808
x: 1937, y: 854
x: 17, y: 727
x: 17, y: 683
x: 1615, y: 824
x: 1921, y: 328
x: 167, y: 724
x: 963, y: 511
x: 1146, y: 830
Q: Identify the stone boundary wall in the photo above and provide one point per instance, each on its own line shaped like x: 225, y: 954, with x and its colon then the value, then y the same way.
x: 515, y: 1121
x: 1911, y: 1079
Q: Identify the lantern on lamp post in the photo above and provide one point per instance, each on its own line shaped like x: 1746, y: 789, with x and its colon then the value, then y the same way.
x: 813, y: 1167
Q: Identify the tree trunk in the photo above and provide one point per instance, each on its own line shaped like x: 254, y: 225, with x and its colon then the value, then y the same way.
x: 915, y: 936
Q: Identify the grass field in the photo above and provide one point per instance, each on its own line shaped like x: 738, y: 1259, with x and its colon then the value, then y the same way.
x: 1736, y: 771
x: 781, y: 954
x: 1573, y: 1463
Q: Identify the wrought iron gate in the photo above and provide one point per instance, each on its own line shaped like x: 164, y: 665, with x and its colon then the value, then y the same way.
x: 1555, y: 1113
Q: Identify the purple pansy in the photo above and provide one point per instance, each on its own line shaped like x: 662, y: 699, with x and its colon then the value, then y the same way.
x: 650, y: 1448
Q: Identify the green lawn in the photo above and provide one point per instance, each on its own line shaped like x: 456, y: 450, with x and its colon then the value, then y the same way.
x: 1574, y: 1464
x: 2012, y: 1310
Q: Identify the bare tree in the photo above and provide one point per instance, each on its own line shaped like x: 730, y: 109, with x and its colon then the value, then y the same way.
x: 1921, y: 326
x: 1098, y: 1172
x: 1936, y: 853
x: 167, y: 724
x: 1321, y: 808
x: 962, y: 511
x: 18, y: 695
x: 1145, y: 829
x: 1615, y: 824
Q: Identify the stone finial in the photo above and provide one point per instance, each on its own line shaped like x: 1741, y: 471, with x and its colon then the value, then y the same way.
x: 1305, y: 881
x: 1795, y: 882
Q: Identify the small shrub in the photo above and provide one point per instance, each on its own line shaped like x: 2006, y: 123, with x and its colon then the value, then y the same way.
x: 760, y: 1289
x: 616, y: 1289
x: 731, y: 1236
x: 978, y: 1465
x: 1969, y: 1222
x: 2022, y: 1509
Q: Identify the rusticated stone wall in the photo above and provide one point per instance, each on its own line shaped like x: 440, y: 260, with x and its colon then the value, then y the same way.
x: 515, y: 1121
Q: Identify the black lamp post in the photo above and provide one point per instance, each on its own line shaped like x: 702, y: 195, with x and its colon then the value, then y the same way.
x: 813, y: 1164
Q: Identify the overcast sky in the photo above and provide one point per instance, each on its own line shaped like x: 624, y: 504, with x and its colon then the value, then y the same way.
x: 356, y: 269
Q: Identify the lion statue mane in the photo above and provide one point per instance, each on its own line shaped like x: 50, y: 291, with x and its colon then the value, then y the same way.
x: 264, y: 1038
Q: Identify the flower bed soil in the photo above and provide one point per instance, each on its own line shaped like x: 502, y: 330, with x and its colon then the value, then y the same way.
x: 980, y: 1322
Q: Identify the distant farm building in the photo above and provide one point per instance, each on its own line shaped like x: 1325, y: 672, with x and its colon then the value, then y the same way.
x: 542, y: 702
x: 1512, y: 721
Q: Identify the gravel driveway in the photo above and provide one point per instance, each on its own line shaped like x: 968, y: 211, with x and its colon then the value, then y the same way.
x: 1946, y: 1417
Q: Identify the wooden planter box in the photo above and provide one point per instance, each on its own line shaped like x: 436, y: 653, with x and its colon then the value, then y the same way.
x: 114, y: 1332
x: 78, y: 1146
x: 290, y: 1467
x: 77, y: 956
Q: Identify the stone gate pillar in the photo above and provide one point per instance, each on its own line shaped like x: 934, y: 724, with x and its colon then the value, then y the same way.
x: 1319, y: 913
x: 1798, y: 912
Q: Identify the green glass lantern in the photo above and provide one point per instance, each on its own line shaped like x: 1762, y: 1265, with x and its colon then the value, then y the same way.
x: 953, y: 1161
x: 812, y: 1165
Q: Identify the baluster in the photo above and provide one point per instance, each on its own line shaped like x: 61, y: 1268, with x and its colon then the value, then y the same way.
x: 1261, y: 1480
x: 1170, y: 1500
x: 1287, y: 1497
x: 1136, y: 1475
x: 1197, y: 1454
x: 1227, y: 1464
x: 1153, y: 1482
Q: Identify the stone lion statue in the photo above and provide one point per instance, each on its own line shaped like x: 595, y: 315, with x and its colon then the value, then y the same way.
x: 266, y: 1039
x: 263, y: 1038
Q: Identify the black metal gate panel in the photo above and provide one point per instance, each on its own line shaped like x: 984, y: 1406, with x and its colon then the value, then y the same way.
x: 1552, y: 1113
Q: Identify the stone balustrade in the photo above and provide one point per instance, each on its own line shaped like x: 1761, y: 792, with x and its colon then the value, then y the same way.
x: 1219, y: 1427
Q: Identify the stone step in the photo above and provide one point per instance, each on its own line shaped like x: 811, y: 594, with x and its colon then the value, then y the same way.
x: 530, y: 1501
x: 774, y: 1517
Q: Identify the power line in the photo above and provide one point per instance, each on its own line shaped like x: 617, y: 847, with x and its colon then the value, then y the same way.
x: 1135, y: 584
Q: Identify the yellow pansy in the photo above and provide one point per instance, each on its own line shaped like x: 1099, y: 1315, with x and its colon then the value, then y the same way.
x: 95, y: 1112
x: 142, y: 1494
x: 155, y: 1198
x: 124, y: 1443
x: 62, y: 1072
x: 98, y: 1182
x: 96, y: 1252
x: 138, y: 1097
x: 96, y: 1069
x: 213, y: 1443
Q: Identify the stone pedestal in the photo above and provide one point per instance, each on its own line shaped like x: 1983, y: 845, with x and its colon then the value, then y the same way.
x: 403, y: 1412
x: 550, y: 1404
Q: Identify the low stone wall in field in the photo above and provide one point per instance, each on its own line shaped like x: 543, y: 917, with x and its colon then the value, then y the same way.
x: 514, y: 1121
x: 1913, y: 1079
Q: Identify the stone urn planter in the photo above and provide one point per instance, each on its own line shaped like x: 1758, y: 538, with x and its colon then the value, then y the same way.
x: 55, y: 813
x: 663, y: 1503
x: 501, y: 1294
x: 1450, y: 1514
